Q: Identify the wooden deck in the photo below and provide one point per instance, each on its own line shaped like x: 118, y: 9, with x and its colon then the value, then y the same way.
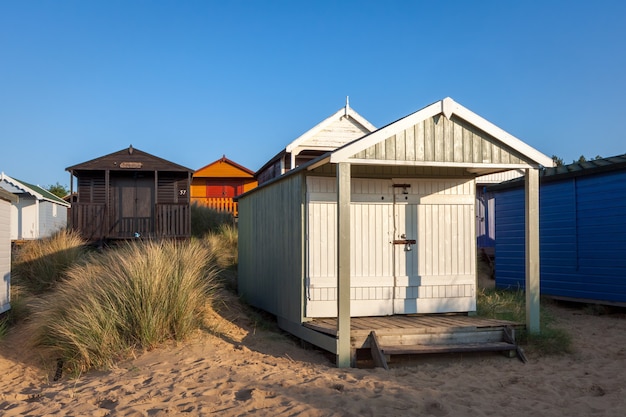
x: 414, y: 334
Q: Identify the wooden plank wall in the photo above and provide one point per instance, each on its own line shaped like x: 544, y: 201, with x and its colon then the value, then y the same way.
x: 271, y: 246
x: 5, y: 254
x: 439, y: 139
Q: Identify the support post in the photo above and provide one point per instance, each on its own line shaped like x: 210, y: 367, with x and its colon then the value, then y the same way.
x: 532, y: 250
x: 343, y: 265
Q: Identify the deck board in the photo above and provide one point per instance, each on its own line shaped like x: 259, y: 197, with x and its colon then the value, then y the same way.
x: 415, y: 334
x: 410, y: 324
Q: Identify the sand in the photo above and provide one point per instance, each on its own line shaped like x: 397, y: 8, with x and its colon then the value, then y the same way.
x: 247, y: 368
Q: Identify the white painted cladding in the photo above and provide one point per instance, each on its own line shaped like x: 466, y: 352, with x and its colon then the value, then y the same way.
x: 436, y: 275
x: 5, y: 255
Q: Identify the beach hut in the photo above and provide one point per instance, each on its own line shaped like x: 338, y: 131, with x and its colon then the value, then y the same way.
x: 485, y: 209
x: 342, y: 127
x: 130, y: 194
x: 582, y: 243
x: 217, y: 184
x: 383, y: 225
x: 37, y: 213
x: 6, y: 200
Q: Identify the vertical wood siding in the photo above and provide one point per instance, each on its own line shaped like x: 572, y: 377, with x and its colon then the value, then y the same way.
x: 51, y: 220
x: 337, y: 134
x: 582, y: 245
x: 271, y: 245
x: 5, y: 255
x: 439, y: 139
x: 386, y: 279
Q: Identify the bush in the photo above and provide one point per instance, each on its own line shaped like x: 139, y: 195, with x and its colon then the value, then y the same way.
x: 40, y: 264
x: 205, y: 220
x: 135, y: 296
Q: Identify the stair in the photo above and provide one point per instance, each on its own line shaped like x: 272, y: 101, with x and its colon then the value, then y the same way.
x: 381, y: 352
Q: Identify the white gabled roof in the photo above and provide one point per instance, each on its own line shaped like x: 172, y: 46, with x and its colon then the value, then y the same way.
x: 36, y: 191
x: 346, y: 111
x: 448, y: 108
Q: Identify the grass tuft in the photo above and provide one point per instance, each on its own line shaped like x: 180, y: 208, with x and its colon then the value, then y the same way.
x: 40, y: 264
x: 205, y: 220
x: 511, y: 305
x: 132, y: 297
x: 223, y: 241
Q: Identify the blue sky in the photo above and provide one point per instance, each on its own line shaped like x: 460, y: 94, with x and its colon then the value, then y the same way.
x: 189, y: 81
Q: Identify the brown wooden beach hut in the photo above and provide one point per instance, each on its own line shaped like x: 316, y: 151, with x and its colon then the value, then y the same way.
x: 130, y: 194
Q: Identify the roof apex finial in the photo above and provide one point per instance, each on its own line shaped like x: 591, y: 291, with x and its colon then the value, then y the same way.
x: 347, y: 106
x: 130, y: 149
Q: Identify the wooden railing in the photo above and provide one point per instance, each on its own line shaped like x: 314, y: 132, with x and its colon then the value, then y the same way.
x: 89, y: 219
x: 218, y: 203
x: 170, y: 220
x: 173, y: 220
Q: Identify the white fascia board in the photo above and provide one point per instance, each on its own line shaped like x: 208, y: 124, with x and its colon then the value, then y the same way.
x: 17, y: 184
x: 319, y: 163
x: 361, y: 120
x: 498, y: 133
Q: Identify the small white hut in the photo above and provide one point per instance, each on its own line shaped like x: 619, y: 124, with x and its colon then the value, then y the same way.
x: 37, y: 213
x: 384, y: 225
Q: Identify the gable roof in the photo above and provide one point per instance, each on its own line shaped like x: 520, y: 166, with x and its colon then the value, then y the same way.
x: 345, y: 124
x: 223, y: 160
x: 345, y: 113
x: 140, y: 160
x: 463, y: 139
x: 19, y: 187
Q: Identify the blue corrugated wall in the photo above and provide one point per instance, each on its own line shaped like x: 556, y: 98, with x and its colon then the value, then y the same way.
x: 582, y: 237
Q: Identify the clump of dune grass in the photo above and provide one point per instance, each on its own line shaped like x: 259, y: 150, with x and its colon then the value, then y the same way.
x: 511, y: 305
x: 502, y: 304
x: 224, y: 241
x: 38, y: 265
x: 205, y: 220
x: 132, y: 297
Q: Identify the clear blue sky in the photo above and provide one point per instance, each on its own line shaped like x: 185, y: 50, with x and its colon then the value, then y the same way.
x: 189, y: 81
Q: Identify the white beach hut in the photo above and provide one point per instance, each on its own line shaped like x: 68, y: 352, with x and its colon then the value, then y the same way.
x: 382, y: 226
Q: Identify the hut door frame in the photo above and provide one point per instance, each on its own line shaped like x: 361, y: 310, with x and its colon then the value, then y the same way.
x: 134, y: 205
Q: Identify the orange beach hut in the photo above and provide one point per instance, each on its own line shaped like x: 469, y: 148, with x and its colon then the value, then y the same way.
x: 216, y: 184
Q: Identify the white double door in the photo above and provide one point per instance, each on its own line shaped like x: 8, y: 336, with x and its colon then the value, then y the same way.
x: 411, y: 247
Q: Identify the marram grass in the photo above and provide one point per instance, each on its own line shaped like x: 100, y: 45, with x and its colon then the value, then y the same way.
x: 224, y: 242
x: 132, y: 297
x: 511, y: 305
x: 39, y: 264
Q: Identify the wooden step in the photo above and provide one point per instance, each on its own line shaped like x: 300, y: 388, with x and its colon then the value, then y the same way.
x: 381, y: 353
x: 449, y: 348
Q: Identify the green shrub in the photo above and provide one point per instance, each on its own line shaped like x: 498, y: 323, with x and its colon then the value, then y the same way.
x: 205, y: 220
x: 134, y: 296
x: 39, y: 264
